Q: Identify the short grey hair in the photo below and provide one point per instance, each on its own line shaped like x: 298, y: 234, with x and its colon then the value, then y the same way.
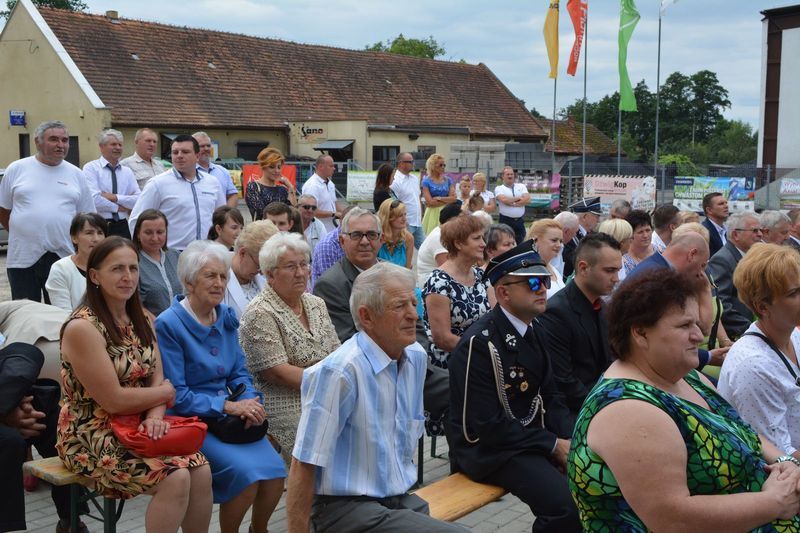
x: 277, y: 245
x: 196, y: 256
x: 202, y: 134
x: 620, y: 205
x: 368, y: 288
x: 307, y: 197
x: 103, y: 136
x: 358, y: 212
x: 736, y: 220
x: 38, y: 134
x: 142, y: 131
x: 567, y: 219
x: 770, y: 219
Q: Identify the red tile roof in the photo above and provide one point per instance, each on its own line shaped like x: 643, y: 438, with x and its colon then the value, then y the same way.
x: 258, y: 83
x: 569, y: 138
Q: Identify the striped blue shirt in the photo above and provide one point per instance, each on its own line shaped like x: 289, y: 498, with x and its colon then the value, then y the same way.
x: 361, y: 420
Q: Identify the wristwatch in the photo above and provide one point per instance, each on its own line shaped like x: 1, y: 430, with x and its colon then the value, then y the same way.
x: 787, y: 459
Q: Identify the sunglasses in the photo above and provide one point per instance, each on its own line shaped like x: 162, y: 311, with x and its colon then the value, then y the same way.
x: 309, y: 207
x: 535, y: 284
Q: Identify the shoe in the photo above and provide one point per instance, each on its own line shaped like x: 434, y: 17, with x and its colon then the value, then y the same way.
x: 63, y: 527
x: 30, y: 482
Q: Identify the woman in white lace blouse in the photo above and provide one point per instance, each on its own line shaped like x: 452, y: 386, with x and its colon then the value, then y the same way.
x: 283, y: 331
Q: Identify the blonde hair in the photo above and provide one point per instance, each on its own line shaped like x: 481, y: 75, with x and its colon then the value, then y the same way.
x: 386, y: 213
x: 691, y: 227
x: 619, y: 228
x: 686, y: 217
x: 763, y: 273
x: 539, y: 227
x: 269, y: 157
x: 254, y: 235
x: 431, y: 162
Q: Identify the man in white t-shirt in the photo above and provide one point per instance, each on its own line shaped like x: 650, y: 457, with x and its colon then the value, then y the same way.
x: 406, y: 188
x: 39, y: 196
x: 512, y: 198
x: 320, y: 186
x: 186, y: 195
x: 432, y: 254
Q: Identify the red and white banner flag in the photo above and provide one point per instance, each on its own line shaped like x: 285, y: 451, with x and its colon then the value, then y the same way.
x: 577, y: 10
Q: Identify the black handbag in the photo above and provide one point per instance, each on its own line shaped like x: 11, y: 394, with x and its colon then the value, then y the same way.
x: 46, y: 395
x: 231, y: 429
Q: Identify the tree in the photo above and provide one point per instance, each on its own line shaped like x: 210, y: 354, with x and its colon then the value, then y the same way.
x: 70, y: 5
x: 683, y: 165
x: 733, y: 143
x: 537, y: 114
x: 409, y: 47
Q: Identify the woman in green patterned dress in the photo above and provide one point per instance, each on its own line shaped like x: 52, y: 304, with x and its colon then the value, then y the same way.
x: 655, y: 447
x: 111, y: 365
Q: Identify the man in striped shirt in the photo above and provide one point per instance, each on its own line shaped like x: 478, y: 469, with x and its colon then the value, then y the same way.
x: 362, y: 417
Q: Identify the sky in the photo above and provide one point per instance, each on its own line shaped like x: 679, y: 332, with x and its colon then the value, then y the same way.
x: 724, y: 36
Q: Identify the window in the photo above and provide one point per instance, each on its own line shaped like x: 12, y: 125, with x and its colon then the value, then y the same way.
x: 424, y: 152
x: 384, y: 154
x: 24, y: 145
x: 73, y: 156
x: 249, y: 150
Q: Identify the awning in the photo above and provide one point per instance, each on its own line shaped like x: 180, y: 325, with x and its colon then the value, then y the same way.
x: 333, y: 145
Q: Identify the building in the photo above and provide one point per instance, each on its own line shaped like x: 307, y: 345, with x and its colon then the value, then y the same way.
x: 778, y: 132
x: 100, y: 71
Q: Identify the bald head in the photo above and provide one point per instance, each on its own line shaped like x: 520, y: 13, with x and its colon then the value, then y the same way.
x: 688, y: 253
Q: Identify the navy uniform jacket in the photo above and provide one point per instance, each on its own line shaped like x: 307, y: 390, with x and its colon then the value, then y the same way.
x: 501, y: 437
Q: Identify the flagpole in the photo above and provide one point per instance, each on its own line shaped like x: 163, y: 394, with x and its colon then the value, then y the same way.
x: 619, y: 139
x: 585, y: 56
x: 553, y: 129
x: 658, y: 92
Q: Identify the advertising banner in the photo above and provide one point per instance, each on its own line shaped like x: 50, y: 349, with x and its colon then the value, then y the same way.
x: 790, y: 193
x: 640, y: 191
x: 544, y: 191
x: 360, y: 185
x: 689, y: 192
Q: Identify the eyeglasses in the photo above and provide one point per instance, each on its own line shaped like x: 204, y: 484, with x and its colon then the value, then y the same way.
x: 358, y: 235
x: 535, y: 284
x: 309, y: 207
x: 407, y: 161
x: 754, y: 230
x: 294, y: 267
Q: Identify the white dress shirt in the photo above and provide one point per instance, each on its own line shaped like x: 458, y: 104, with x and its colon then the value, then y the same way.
x: 325, y: 193
x: 721, y: 230
x: 406, y: 188
x: 98, y: 175
x: 518, y: 189
x: 188, y: 205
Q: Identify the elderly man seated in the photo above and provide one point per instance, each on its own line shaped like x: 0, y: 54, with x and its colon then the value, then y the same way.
x: 361, y: 419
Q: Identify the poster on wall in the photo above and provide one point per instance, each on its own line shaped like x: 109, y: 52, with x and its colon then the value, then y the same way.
x: 689, y: 192
x: 544, y: 190
x: 790, y: 193
x: 640, y: 191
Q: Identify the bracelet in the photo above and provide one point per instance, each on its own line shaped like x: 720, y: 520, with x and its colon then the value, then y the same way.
x: 787, y: 459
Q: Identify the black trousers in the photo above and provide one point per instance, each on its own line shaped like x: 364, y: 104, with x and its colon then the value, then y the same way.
x: 118, y: 227
x: 19, y: 365
x: 28, y: 283
x: 535, y: 481
x: 517, y: 224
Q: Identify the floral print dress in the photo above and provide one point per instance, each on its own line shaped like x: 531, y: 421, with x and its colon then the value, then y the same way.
x: 87, y: 444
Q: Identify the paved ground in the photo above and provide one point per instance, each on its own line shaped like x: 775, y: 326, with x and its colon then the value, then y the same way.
x: 508, y: 515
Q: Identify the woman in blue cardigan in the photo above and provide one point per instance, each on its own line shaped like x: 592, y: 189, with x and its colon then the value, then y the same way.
x: 198, y: 337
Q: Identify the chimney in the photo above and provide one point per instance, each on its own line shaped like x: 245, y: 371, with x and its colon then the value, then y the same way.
x: 112, y: 15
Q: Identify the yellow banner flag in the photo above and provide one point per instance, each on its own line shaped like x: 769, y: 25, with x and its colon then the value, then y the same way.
x: 551, y: 37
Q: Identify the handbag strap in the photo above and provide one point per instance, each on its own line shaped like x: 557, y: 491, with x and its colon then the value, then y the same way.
x: 769, y: 343
x: 712, y: 336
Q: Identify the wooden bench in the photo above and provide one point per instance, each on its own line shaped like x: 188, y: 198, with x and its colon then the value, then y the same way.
x: 53, y: 471
x: 456, y: 495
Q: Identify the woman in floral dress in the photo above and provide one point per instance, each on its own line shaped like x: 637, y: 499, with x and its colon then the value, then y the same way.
x: 111, y: 365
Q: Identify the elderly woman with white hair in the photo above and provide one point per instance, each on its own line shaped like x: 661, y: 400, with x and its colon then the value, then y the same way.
x: 199, y: 342
x: 283, y: 331
x: 244, y: 279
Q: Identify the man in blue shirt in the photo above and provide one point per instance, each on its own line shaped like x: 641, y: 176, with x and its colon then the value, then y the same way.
x: 218, y: 171
x: 362, y: 415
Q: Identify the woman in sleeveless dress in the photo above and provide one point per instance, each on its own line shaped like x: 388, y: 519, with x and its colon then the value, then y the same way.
x: 111, y: 365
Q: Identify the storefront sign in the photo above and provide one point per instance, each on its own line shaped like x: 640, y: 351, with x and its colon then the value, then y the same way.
x: 16, y: 118
x: 311, y: 133
x: 690, y: 190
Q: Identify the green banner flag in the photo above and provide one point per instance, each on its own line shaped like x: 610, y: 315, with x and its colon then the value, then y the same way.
x: 628, y: 18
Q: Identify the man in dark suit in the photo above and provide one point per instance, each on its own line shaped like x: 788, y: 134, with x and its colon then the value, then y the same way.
x: 588, y: 211
x: 744, y: 230
x: 508, y: 425
x: 794, y: 229
x: 577, y: 333
x: 715, y: 209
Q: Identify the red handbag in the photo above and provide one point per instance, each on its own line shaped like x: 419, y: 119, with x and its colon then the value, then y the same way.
x: 185, y: 436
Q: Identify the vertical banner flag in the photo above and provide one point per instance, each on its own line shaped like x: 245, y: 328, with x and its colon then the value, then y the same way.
x: 551, y: 37
x: 628, y: 18
x: 577, y: 12
x: 665, y: 4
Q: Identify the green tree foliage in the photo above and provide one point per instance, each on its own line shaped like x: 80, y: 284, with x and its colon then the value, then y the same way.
x: 684, y: 165
x: 410, y: 47
x: 71, y: 5
x: 690, y: 121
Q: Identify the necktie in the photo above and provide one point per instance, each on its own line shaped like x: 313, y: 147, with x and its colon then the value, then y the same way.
x: 114, y: 215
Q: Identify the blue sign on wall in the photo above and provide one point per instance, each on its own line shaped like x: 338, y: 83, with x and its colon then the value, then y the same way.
x: 17, y: 118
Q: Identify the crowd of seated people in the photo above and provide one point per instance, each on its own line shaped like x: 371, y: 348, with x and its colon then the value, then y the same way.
x: 349, y: 333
